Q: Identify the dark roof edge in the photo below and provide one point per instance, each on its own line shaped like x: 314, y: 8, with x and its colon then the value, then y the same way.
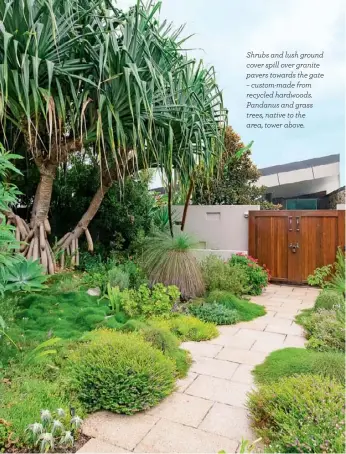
x: 324, y: 160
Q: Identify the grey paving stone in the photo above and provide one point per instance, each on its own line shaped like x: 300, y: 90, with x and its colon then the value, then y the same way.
x: 243, y: 374
x: 283, y: 328
x: 242, y: 356
x: 184, y: 383
x: 267, y: 346
x: 294, y: 341
x: 234, y: 341
x: 95, y: 445
x: 182, y: 408
x: 120, y: 430
x: 213, y: 367
x: 171, y: 437
x: 255, y: 335
x: 231, y: 422
x: 219, y: 390
x: 202, y: 348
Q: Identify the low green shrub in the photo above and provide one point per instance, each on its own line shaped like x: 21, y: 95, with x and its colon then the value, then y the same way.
x: 214, y: 313
x: 246, y: 310
x: 292, y: 361
x: 157, y: 301
x: 325, y: 329
x: 220, y: 275
x: 329, y: 299
x: 188, y: 328
x: 320, y: 276
x: 258, y: 276
x: 118, y: 278
x: 300, y: 414
x: 120, y: 372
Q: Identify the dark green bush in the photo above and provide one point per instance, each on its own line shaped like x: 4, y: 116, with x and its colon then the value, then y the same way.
x: 300, y: 414
x: 325, y: 329
x: 120, y: 372
x: 188, y: 328
x: 329, y: 299
x: 215, y: 313
x: 291, y: 361
x: 220, y: 275
x: 258, y: 276
x: 246, y: 310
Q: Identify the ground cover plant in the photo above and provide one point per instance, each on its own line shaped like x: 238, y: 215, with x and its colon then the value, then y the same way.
x: 246, y: 310
x: 302, y: 413
x: 258, y: 276
x: 187, y: 328
x: 215, y: 313
x: 294, y: 361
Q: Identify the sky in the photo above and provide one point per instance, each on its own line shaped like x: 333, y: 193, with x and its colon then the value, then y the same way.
x: 225, y: 30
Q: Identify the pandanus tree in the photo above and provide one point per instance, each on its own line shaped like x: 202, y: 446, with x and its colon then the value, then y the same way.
x: 77, y: 74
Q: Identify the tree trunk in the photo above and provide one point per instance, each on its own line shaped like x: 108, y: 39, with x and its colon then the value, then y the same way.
x: 186, y: 206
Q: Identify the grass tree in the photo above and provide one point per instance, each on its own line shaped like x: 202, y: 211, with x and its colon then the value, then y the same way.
x: 79, y: 74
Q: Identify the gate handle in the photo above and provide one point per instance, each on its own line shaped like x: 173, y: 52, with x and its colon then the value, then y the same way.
x: 290, y: 224
x: 297, y: 224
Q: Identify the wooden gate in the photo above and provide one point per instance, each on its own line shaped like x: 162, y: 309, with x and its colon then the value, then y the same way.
x: 292, y: 244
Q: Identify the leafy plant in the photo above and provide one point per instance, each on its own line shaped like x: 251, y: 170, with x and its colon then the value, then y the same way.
x: 169, y: 261
x: 24, y: 275
x: 120, y: 372
x: 300, y: 414
x: 294, y: 361
x: 118, y: 278
x: 188, y: 328
x: 246, y: 310
x: 43, y: 350
x: 337, y: 281
x: 214, y: 313
x: 247, y: 446
x: 325, y: 329
x: 113, y: 295
x: 320, y: 276
x: 54, y: 432
x: 329, y: 299
x: 258, y: 276
x: 221, y: 275
x: 157, y: 301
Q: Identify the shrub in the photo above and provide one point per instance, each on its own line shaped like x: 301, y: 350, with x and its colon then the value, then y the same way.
x: 214, y: 313
x: 292, y: 361
x: 300, y: 414
x: 118, y: 278
x: 120, y: 372
x: 220, y: 275
x: 170, y: 261
x: 188, y: 328
x: 329, y: 299
x: 157, y: 301
x: 337, y: 281
x: 320, y: 276
x: 258, y: 276
x: 325, y: 329
x: 246, y: 310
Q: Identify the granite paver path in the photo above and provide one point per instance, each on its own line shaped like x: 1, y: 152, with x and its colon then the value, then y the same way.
x: 207, y: 413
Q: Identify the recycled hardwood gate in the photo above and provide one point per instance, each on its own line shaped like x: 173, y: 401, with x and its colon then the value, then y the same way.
x: 292, y: 244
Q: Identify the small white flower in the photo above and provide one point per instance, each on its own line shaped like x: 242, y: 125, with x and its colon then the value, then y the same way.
x: 57, y: 426
x: 76, y: 421
x: 67, y: 438
x: 35, y: 428
x: 61, y: 412
x: 46, y: 416
x: 47, y: 442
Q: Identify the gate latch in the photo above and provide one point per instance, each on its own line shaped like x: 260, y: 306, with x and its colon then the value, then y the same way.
x: 294, y: 246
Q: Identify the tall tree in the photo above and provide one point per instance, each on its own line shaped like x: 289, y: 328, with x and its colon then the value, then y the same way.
x: 81, y: 73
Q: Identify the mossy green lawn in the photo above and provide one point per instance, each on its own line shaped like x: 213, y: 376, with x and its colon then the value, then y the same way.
x: 246, y: 310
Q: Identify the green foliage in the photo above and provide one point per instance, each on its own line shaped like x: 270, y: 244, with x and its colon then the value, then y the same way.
x: 258, y: 276
x: 24, y: 275
x: 294, y: 361
x: 220, y: 275
x: 246, y: 310
x: 215, y: 313
x: 21, y: 401
x: 337, y: 281
x: 320, y: 276
x: 300, y: 414
x: 65, y: 315
x: 329, y: 299
x: 325, y: 329
x: 157, y: 301
x: 188, y: 328
x: 118, y: 278
x: 120, y: 372
x: 170, y: 261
